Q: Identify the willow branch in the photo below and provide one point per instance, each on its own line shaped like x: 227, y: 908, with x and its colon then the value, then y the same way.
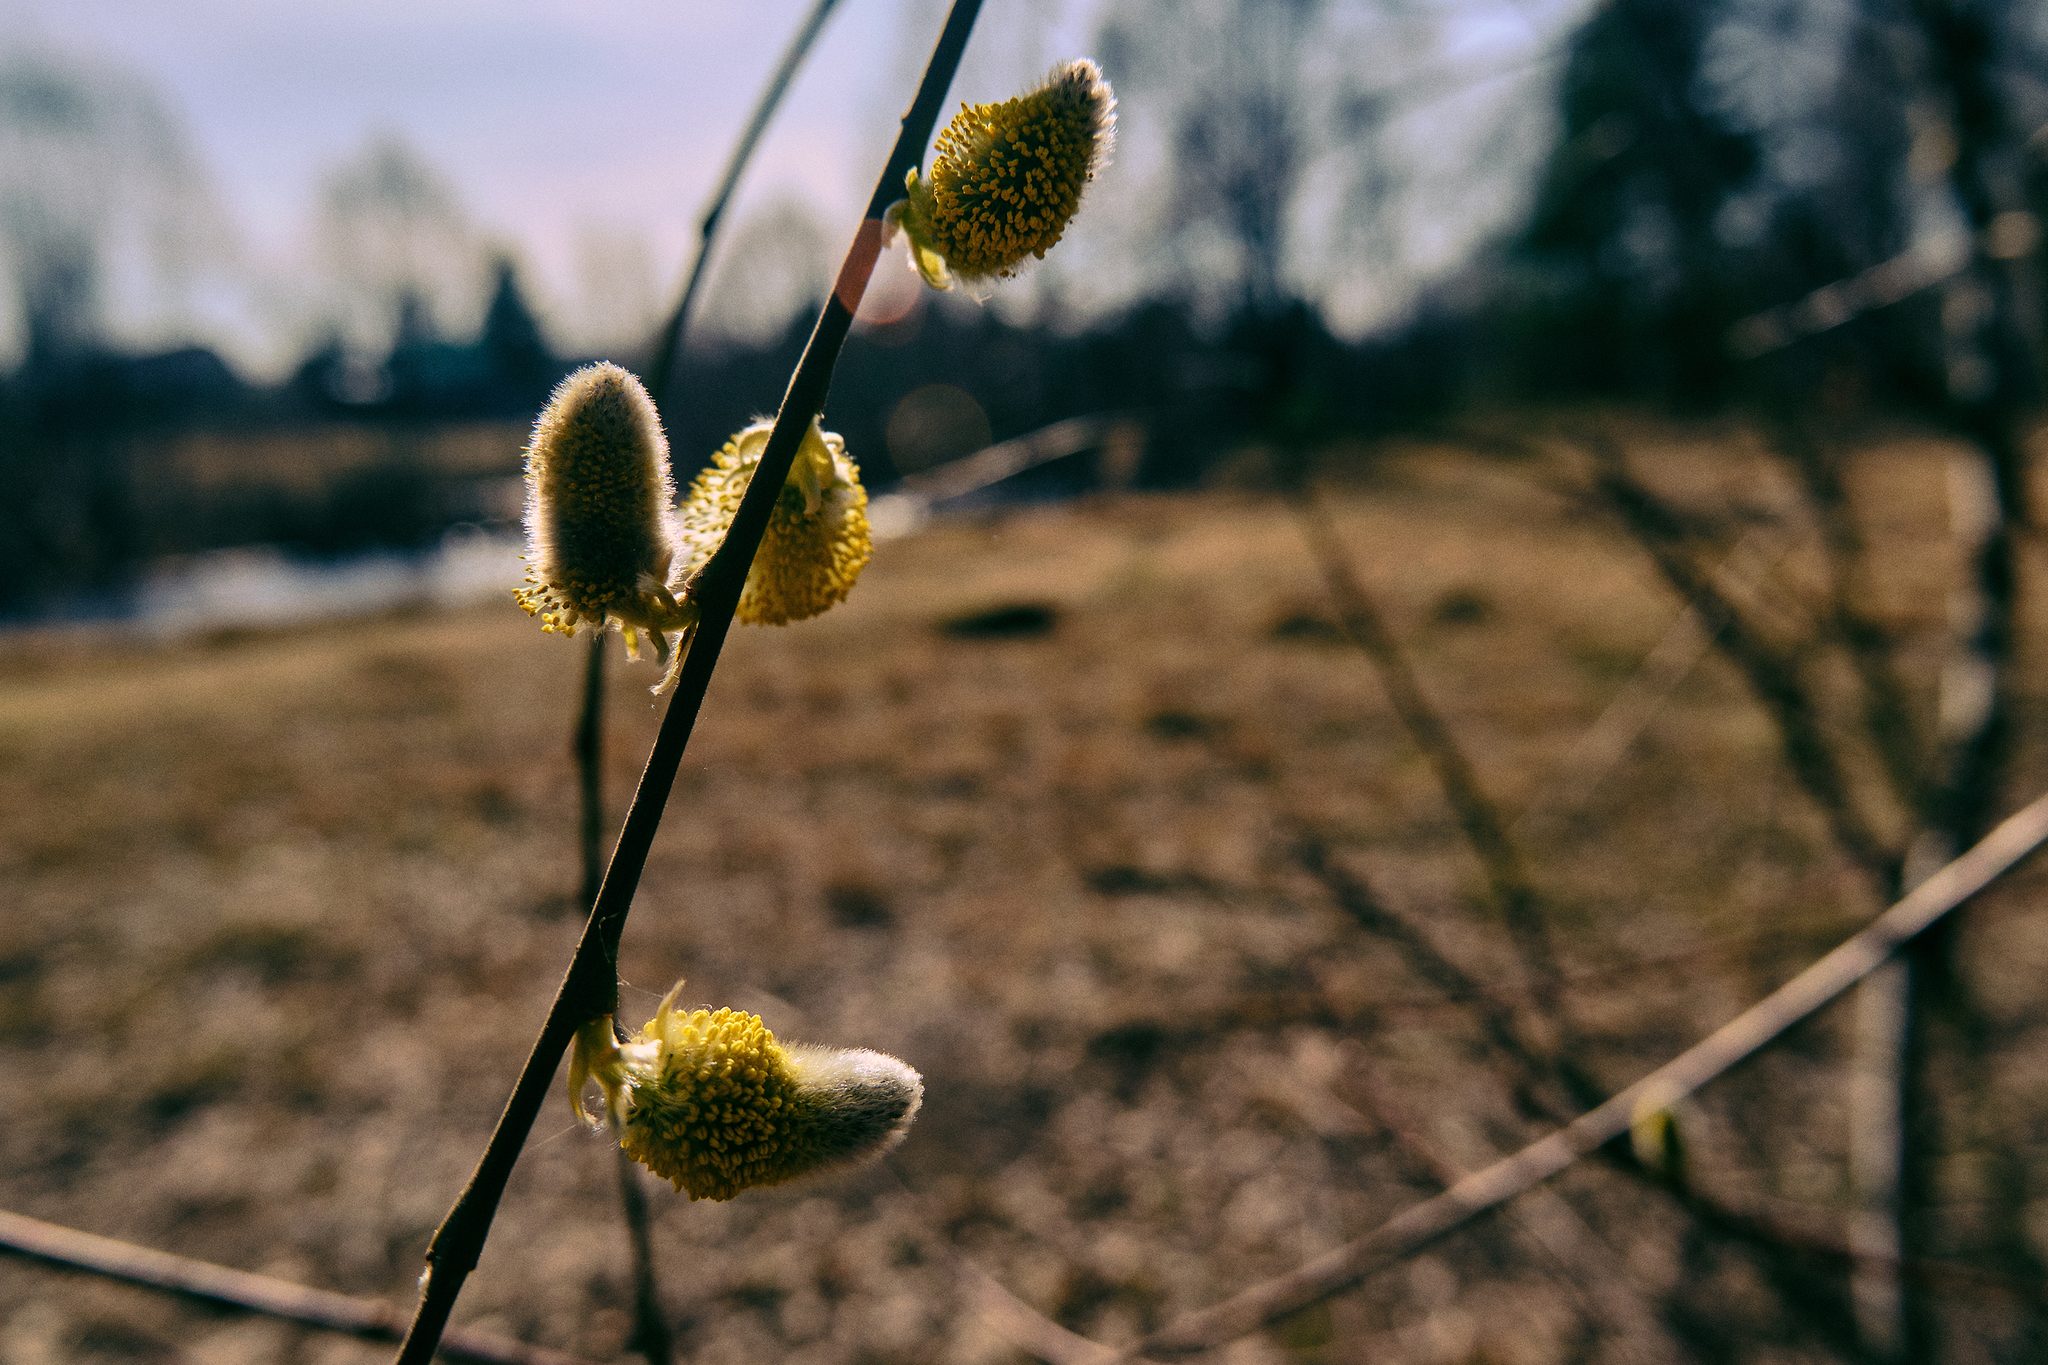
x: 650, y: 1329
x: 588, y: 746
x: 589, y: 988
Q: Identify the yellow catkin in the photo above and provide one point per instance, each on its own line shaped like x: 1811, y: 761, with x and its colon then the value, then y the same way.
x: 709, y: 1101
x: 600, y: 531
x: 1006, y: 178
x: 817, y: 540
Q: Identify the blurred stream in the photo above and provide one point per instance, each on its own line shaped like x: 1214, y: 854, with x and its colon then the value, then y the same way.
x: 260, y: 586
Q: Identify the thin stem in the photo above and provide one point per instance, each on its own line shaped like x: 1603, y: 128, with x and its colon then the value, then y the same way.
x: 589, y: 749
x: 590, y: 987
x: 1887, y: 713
x: 650, y: 1326
x: 651, y: 1329
x: 661, y: 371
x: 1497, y: 1018
x: 1773, y: 674
x: 1610, y: 1293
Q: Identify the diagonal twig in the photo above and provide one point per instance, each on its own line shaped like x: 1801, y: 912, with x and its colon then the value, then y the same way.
x: 1023, y: 1326
x: 650, y: 1328
x: 588, y: 747
x: 1604, y: 743
x: 1577, y: 1257
x: 669, y: 346
x: 1888, y: 716
x: 1497, y: 1017
x: 366, y: 1319
x: 1721, y: 1050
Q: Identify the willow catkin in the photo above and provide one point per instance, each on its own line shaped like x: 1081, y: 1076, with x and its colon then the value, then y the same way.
x: 1006, y: 178
x: 601, y: 534
x: 711, y: 1102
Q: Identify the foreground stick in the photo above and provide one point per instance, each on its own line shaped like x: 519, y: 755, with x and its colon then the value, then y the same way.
x: 589, y: 989
x: 366, y: 1319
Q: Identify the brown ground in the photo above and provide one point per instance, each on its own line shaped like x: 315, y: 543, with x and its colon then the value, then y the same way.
x: 283, y: 912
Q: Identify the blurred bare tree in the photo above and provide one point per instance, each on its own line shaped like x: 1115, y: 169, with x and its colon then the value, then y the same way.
x: 398, y: 254
x: 105, y: 215
x: 774, y: 274
x: 1869, y: 171
x: 1624, y: 223
x: 1249, y: 95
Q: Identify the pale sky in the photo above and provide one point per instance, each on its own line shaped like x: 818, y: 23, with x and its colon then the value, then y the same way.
x: 576, y: 131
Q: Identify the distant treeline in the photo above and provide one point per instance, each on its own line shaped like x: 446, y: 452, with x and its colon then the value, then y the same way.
x: 1839, y: 209
x: 113, y: 461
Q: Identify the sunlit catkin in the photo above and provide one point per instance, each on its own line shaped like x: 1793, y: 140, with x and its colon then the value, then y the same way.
x: 710, y: 1101
x: 1006, y: 178
x: 600, y: 531
x: 817, y: 539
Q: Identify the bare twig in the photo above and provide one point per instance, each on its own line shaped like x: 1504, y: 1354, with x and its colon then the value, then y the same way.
x: 590, y: 988
x: 669, y: 346
x: 1579, y: 1259
x: 1828, y: 307
x: 1887, y: 715
x: 1785, y: 1254
x: 993, y: 464
x: 1497, y: 1017
x: 1996, y: 360
x: 650, y: 1326
x: 1024, y: 1326
x: 650, y: 1329
x: 362, y: 1318
x: 1735, y: 1041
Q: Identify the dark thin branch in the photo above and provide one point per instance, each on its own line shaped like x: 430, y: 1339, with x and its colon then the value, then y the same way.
x: 1611, y: 1298
x: 669, y: 346
x: 1497, y: 1018
x: 1781, y: 1257
x: 588, y: 747
x: 589, y: 988
x: 1962, y: 46
x: 650, y: 1326
x: 363, y: 1318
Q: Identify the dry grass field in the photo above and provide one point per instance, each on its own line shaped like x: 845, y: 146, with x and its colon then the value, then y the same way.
x: 1091, y: 814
